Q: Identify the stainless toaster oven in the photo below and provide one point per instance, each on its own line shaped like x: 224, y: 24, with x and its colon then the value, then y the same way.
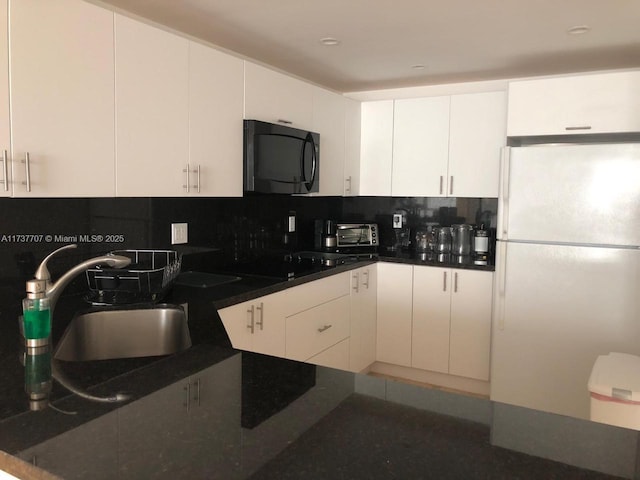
x: 357, y: 235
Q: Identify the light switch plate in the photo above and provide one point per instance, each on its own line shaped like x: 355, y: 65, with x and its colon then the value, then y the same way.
x: 397, y: 220
x: 179, y: 233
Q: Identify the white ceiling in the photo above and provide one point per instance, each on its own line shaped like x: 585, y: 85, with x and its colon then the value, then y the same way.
x: 455, y: 40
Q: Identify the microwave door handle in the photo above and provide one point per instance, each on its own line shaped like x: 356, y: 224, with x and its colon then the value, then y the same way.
x: 314, y: 161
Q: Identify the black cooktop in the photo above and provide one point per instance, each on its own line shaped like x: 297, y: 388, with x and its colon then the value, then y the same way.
x: 295, y: 265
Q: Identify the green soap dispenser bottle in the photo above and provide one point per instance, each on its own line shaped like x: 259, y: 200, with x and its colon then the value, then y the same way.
x: 36, y: 315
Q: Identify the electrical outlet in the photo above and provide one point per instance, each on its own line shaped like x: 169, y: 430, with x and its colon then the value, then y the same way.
x: 291, y: 222
x: 397, y: 220
x: 179, y: 233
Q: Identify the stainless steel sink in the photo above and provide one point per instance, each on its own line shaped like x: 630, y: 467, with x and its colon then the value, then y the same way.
x: 109, y: 334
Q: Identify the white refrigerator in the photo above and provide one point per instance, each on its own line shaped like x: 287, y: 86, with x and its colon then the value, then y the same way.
x: 567, y: 271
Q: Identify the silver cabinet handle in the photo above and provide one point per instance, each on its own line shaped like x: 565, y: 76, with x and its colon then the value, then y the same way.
x: 251, y: 313
x: 27, y: 168
x: 198, y: 392
x: 455, y: 282
x: 366, y: 274
x: 5, y: 168
x: 186, y: 186
x: 324, y: 328
x: 356, y: 278
x: 581, y: 127
x: 348, y: 181
x: 441, y: 184
x: 444, y: 282
x: 260, y: 323
x: 187, y: 390
x: 451, y: 185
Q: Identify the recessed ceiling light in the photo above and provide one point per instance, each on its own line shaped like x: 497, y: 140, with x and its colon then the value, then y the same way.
x: 329, y: 41
x: 418, y: 66
x: 578, y: 29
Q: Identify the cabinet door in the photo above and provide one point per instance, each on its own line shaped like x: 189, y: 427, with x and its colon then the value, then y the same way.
x: 152, y: 117
x: 62, y: 99
x: 470, y: 340
x: 214, y: 420
x: 190, y: 429
x: 258, y: 325
x: 420, y: 147
x: 596, y: 103
x: 216, y: 100
x: 431, y: 318
x: 476, y: 137
x: 5, y: 182
x: 276, y: 98
x: 153, y: 434
x: 352, y: 148
x: 89, y: 451
x: 328, y: 120
x: 376, y: 148
x: 316, y: 329
x: 395, y: 292
x: 363, y: 318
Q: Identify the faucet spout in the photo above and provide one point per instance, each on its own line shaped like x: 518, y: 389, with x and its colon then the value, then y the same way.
x: 54, y: 290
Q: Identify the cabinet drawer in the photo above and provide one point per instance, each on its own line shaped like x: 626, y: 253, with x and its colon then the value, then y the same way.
x: 309, y: 295
x: 333, y: 357
x: 312, y: 331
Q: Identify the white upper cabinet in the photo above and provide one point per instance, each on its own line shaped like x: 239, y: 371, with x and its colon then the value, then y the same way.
x: 477, y: 133
x: 5, y: 151
x: 62, y: 99
x: 376, y: 148
x: 596, y: 103
x: 420, y: 147
x: 152, y: 116
x: 215, y: 123
x: 447, y: 146
x: 277, y: 98
x: 329, y: 122
x: 352, y: 148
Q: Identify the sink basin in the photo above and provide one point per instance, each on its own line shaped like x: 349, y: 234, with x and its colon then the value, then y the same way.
x: 110, y: 334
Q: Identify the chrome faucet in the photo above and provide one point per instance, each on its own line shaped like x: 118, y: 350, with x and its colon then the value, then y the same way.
x: 54, y: 290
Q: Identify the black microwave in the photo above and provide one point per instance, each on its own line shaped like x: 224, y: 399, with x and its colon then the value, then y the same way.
x: 280, y: 159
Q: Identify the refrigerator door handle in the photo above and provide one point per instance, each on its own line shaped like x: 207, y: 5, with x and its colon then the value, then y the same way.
x: 502, y: 283
x: 503, y: 203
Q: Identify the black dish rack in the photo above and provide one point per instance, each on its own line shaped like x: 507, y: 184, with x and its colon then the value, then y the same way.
x: 146, y: 279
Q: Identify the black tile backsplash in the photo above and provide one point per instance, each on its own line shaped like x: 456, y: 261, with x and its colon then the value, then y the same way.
x: 239, y: 227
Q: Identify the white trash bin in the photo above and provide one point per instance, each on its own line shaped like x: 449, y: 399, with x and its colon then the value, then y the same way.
x: 614, y: 385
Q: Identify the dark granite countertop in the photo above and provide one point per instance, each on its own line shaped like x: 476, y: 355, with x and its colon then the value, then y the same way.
x: 467, y: 262
x: 139, y: 377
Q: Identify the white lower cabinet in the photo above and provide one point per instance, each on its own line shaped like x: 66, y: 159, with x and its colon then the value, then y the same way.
x: 189, y: 429
x: 296, y: 323
x: 393, y: 344
x: 452, y: 321
x: 363, y: 318
x: 435, y: 319
x: 431, y: 318
x: 317, y: 329
x: 89, y: 451
x: 257, y: 325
